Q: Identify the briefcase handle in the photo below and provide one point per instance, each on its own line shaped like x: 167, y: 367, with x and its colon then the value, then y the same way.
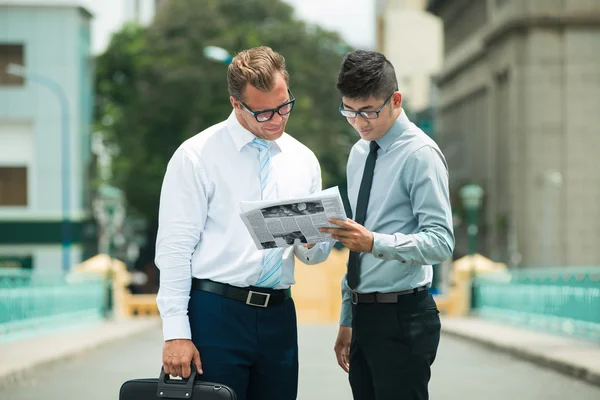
x: 176, y: 388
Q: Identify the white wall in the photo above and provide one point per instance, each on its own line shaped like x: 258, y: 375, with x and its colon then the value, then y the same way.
x: 413, y: 43
x: 16, y: 143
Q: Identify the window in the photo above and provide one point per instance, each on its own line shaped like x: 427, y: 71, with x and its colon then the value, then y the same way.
x: 10, y: 54
x: 13, y: 186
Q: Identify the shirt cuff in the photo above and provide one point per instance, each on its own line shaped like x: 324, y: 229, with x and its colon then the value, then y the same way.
x: 385, y: 246
x: 176, y: 327
x: 317, y: 254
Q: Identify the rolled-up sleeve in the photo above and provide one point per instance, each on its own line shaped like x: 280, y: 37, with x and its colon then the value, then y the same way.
x: 182, y: 215
x: 426, y: 179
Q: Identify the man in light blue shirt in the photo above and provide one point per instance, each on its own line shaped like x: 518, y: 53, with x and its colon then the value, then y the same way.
x: 402, y: 224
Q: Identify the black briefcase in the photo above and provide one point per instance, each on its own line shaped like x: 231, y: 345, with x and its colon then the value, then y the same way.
x: 166, y: 388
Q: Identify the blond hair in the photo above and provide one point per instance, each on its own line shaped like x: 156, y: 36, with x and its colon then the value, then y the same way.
x: 258, y: 67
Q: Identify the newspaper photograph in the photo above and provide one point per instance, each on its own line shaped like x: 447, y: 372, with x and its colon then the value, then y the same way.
x: 284, y: 223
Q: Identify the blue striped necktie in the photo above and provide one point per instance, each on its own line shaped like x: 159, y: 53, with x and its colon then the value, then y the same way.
x: 270, y: 274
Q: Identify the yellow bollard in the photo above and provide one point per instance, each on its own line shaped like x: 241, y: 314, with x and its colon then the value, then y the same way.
x: 458, y: 302
x: 112, y: 269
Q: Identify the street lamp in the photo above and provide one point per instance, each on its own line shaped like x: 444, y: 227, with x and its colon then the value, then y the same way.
x: 58, y: 91
x: 110, y: 209
x: 217, y: 54
x: 471, y: 196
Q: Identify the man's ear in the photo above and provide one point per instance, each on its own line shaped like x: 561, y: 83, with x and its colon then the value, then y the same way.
x: 397, y: 100
x: 235, y: 104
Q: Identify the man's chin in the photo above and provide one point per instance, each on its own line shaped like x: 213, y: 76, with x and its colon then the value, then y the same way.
x: 367, y: 134
x: 273, y: 134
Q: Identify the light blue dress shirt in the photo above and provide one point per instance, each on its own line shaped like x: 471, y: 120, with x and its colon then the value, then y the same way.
x: 409, y: 212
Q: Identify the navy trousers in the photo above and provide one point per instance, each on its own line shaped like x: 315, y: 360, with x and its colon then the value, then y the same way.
x: 253, y: 350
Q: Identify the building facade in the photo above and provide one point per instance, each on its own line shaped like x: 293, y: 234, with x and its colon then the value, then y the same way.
x: 411, y: 38
x: 51, y: 41
x: 518, y: 101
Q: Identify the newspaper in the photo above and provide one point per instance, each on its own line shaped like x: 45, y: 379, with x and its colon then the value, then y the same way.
x: 284, y: 223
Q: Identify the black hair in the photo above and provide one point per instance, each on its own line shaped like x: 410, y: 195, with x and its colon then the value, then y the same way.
x: 366, y: 73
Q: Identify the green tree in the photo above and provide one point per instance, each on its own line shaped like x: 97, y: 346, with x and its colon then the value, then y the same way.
x: 156, y: 89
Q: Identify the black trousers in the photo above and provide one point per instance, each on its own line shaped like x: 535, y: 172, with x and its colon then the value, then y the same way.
x: 393, y: 347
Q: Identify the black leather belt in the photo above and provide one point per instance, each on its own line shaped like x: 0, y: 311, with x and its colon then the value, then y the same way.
x: 253, y: 296
x: 393, y: 297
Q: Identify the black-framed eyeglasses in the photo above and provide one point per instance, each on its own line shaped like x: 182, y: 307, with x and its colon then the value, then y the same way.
x: 367, y: 114
x: 266, y: 115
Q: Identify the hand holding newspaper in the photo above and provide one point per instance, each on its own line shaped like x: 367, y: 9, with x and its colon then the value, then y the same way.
x: 284, y: 223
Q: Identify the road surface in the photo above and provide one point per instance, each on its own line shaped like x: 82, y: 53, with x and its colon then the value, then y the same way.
x: 462, y: 371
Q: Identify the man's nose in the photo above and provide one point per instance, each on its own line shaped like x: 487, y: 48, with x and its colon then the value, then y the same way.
x: 362, y: 124
x: 276, y: 119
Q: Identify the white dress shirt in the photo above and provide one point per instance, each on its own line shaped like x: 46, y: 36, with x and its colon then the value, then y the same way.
x: 201, y: 233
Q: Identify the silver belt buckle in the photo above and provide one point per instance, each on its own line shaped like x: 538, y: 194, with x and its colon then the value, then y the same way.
x: 354, y: 298
x: 251, y: 299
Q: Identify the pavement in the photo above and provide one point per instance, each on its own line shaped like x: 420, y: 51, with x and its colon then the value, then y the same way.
x: 20, y: 357
x: 576, y: 358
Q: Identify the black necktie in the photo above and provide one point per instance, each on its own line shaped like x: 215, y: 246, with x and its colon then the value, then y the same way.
x: 361, y: 212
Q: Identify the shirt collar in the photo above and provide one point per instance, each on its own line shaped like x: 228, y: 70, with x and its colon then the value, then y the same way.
x: 398, y: 127
x: 241, y: 136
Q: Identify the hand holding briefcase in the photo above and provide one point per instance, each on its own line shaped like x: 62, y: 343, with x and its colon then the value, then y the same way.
x: 171, y: 389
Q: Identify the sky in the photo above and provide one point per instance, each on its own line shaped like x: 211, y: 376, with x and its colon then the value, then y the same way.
x: 353, y: 19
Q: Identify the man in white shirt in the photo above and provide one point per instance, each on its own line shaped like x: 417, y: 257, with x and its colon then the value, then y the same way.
x: 226, y: 306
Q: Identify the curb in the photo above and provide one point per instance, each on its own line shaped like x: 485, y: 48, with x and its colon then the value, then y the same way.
x: 523, y: 353
x: 119, y: 331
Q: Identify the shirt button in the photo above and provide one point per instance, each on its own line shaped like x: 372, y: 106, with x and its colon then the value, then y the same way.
x: 403, y: 261
x: 307, y: 259
x: 380, y: 255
